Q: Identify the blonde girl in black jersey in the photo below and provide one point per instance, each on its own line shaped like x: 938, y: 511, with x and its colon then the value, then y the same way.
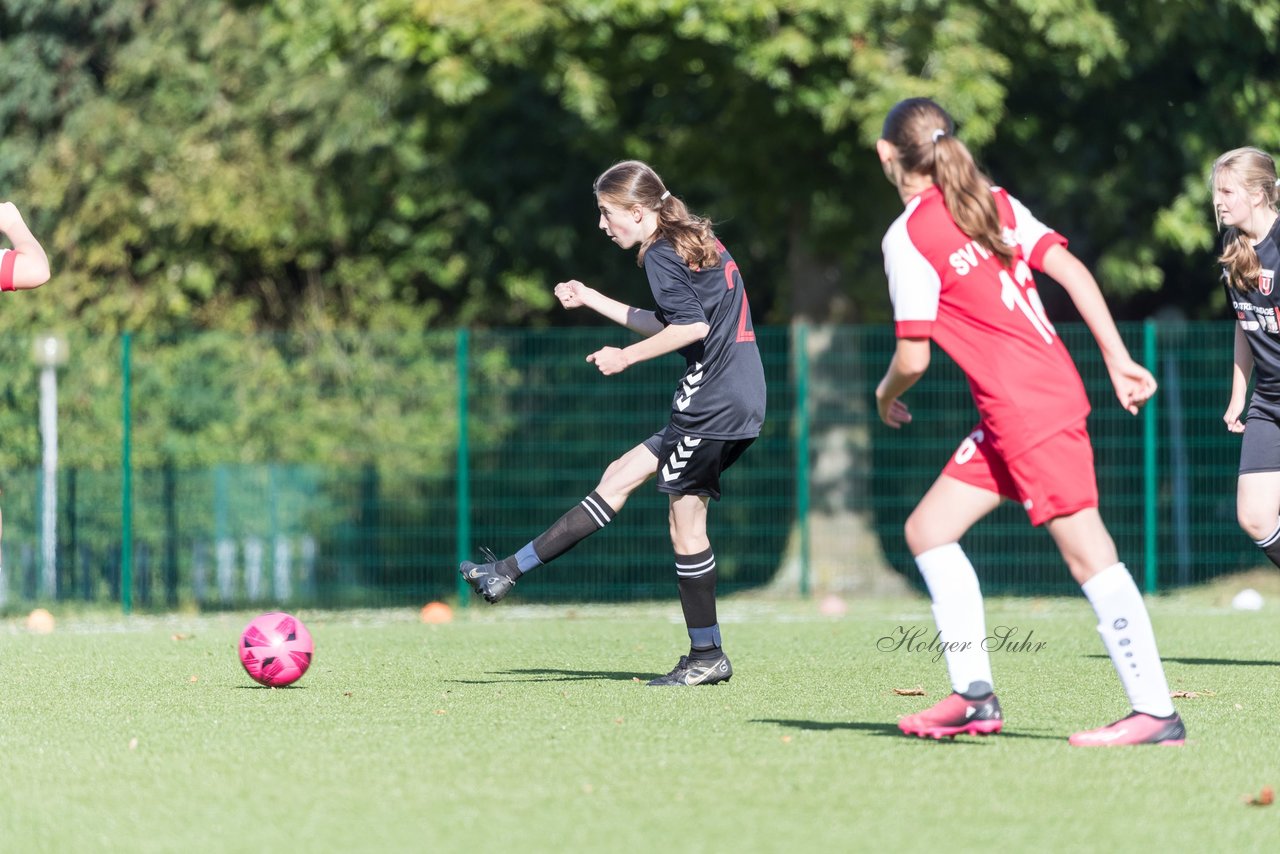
x: 1245, y: 202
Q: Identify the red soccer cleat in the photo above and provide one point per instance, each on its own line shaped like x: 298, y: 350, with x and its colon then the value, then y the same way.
x: 1137, y: 728
x: 956, y: 715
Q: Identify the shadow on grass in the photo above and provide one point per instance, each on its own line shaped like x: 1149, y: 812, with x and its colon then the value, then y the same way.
x: 887, y: 729
x: 1229, y: 662
x: 540, y: 674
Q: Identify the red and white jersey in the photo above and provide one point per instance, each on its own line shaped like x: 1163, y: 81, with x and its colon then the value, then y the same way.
x: 988, y: 318
x: 8, y: 258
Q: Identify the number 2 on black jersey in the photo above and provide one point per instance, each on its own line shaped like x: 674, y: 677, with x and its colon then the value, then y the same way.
x: 745, y: 332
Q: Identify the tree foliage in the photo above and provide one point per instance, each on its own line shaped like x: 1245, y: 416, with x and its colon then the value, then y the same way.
x: 313, y: 166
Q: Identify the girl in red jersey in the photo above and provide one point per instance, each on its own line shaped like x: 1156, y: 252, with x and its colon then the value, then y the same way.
x: 1245, y: 200
x: 959, y: 263
x: 25, y: 266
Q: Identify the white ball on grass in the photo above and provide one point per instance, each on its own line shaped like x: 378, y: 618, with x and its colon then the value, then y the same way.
x: 1247, y: 599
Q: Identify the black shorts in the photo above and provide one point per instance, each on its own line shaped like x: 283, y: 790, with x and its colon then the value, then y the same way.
x: 688, y: 465
x: 1260, y: 447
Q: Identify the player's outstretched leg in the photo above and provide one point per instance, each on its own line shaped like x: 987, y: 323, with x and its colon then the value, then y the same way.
x: 975, y: 712
x: 493, y: 579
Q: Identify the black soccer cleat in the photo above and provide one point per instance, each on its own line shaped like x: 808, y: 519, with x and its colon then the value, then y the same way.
x: 697, y: 671
x: 487, y: 579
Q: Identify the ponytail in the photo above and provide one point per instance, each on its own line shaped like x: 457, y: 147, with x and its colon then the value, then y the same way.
x: 632, y: 183
x: 923, y: 134
x: 689, y: 234
x: 1240, y: 265
x: 967, y: 194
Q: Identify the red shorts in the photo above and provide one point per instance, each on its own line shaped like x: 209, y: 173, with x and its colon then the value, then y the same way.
x: 1055, y: 478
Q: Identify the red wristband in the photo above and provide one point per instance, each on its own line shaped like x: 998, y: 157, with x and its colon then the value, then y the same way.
x: 6, y: 270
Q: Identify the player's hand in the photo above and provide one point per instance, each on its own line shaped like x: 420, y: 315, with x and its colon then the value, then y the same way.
x: 893, y: 412
x: 610, y: 361
x: 1133, y: 383
x: 572, y: 294
x: 1232, y: 416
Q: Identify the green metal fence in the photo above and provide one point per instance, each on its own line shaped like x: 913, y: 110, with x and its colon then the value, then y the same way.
x: 214, y: 471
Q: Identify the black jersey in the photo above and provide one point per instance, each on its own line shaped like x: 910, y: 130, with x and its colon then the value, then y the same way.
x: 722, y: 393
x: 1256, y: 311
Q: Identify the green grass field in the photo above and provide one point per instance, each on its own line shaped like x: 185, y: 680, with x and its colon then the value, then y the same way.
x: 529, y: 728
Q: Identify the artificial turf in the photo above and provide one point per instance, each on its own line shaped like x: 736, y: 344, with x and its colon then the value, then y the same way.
x: 529, y: 728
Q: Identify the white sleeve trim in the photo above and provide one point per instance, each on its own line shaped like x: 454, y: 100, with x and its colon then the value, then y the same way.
x: 1027, y: 230
x: 914, y: 285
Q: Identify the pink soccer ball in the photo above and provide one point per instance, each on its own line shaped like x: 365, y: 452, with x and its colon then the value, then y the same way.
x: 276, y: 649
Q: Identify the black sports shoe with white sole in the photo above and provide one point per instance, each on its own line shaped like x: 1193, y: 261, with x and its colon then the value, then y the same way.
x: 487, y: 579
x: 697, y: 671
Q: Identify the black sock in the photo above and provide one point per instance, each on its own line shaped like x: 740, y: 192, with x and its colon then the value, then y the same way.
x: 587, y: 516
x: 1271, y: 546
x: 704, y: 643
x: 696, y: 579
x: 508, y: 567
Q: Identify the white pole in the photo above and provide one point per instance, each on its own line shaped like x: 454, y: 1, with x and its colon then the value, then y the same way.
x: 49, y: 432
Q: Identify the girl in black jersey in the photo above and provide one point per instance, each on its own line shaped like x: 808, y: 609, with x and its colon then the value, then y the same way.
x: 717, y: 408
x: 1245, y: 196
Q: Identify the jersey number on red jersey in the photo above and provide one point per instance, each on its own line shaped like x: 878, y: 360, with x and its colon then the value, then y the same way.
x: 1022, y: 295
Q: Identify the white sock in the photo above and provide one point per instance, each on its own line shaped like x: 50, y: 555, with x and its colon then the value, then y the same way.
x: 957, y: 609
x: 1126, y: 632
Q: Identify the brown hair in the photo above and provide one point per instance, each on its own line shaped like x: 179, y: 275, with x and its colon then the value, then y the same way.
x: 923, y: 134
x: 1256, y: 173
x: 634, y: 183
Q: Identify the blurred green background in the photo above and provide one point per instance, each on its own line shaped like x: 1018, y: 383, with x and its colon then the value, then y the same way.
x: 296, y: 212
x: 256, y: 476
